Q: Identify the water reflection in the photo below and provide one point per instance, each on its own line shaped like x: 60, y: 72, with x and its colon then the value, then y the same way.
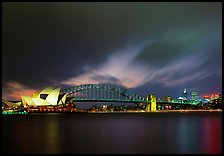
x: 211, y: 136
x: 52, y: 134
x: 113, y: 134
x: 188, y: 133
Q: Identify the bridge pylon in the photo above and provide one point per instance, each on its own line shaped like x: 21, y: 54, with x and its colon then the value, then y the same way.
x: 151, y: 106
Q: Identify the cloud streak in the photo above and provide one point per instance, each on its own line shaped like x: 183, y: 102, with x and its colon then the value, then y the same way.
x: 123, y: 69
x: 118, y: 68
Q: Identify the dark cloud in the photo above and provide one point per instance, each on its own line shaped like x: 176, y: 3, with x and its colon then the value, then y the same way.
x: 47, y: 44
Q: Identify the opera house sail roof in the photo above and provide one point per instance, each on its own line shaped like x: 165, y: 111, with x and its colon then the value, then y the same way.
x: 46, y: 97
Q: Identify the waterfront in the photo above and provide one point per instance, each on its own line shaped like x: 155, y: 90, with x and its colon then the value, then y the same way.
x: 118, y: 133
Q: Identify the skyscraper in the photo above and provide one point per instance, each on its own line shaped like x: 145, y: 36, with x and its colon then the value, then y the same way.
x: 194, y: 95
x: 185, y: 93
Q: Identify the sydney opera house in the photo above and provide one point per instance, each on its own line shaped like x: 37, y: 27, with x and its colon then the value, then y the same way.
x: 10, y: 104
x: 46, y: 97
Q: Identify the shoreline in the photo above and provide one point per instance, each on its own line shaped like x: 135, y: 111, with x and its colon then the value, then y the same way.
x: 163, y: 111
x: 124, y: 112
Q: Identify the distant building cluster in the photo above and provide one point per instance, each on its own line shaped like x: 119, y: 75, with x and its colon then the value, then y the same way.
x: 213, y: 99
x: 193, y: 98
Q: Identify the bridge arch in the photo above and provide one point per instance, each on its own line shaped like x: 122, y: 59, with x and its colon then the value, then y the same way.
x: 115, y: 93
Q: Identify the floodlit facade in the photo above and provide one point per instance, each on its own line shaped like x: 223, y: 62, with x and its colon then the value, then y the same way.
x: 27, y: 100
x: 47, y: 97
x: 52, y: 98
x: 63, y: 99
x: 152, y: 105
x: 47, y: 90
x: 11, y: 104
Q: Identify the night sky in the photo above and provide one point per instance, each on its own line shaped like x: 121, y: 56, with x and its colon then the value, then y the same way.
x: 158, y: 48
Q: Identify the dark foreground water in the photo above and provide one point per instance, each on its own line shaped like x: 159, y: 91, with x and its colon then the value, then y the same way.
x: 143, y: 133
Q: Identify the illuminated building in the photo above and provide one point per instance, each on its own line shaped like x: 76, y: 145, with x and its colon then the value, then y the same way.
x: 216, y: 99
x: 194, y: 95
x: 167, y: 99
x: 182, y: 99
x: 185, y: 93
x: 10, y: 104
x: 220, y: 98
x: 46, y: 97
x: 35, y: 94
x: 213, y: 97
x: 104, y: 108
x: 153, y: 102
x: 206, y: 100
x: 152, y: 105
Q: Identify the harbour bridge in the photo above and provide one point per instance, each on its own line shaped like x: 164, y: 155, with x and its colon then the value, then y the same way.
x: 111, y: 93
x: 102, y: 93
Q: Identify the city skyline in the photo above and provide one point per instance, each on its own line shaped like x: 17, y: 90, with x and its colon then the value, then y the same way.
x: 158, y: 47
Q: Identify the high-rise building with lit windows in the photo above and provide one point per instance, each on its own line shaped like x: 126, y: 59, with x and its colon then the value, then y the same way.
x: 194, y: 95
x: 185, y: 93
